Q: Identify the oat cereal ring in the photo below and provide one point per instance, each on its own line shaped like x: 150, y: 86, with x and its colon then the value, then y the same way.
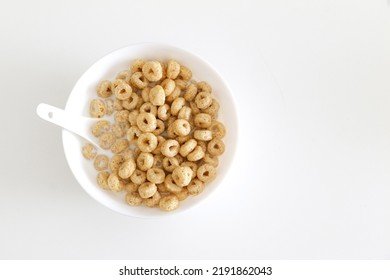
x: 102, y: 178
x: 182, y: 175
x: 173, y: 69
x: 138, y: 80
x: 218, y: 129
x: 196, y: 154
x: 187, y: 147
x: 170, y: 148
x: 183, y: 194
x: 121, y: 89
x: 160, y: 128
x: 131, y: 187
x: 128, y: 154
x: 183, y: 139
x: 147, y: 189
x: 114, y: 183
x: 127, y: 168
x: 131, y: 102
x: 202, y: 120
x: 101, y: 162
x: 163, y: 112
x: 170, y: 133
x: 170, y: 121
x: 109, y: 106
x: 106, y: 140
x: 184, y: 113
x: 133, y: 117
x: 133, y: 198
x: 194, y: 108
x: 148, y: 108
x: 164, y: 70
x: 147, y: 142
x: 121, y: 116
x: 161, y: 188
x: 145, y: 94
x: 145, y: 161
x: 155, y: 175
x: 157, y: 95
x: 170, y: 185
x: 168, y: 85
x: 190, y: 92
x: 203, y: 135
x: 203, y: 145
x: 97, y: 108
x: 117, y: 130
x: 175, y: 94
x: 115, y: 162
x: 169, y: 203
x: 170, y: 163
x: 206, y: 172
x: 216, y: 147
x: 176, y: 105
x: 136, y: 65
x: 117, y: 104
x: 213, y: 160
x: 146, y: 122
x: 213, y: 109
x: 181, y: 127
x: 133, y: 133
x: 180, y: 84
x: 89, y: 151
x: 152, y: 70
x: 203, y: 100
x: 195, y: 187
x: 152, y: 201
x: 192, y: 165
x: 124, y: 75
x: 140, y: 103
x: 138, y: 177
x: 179, y: 158
x: 104, y: 89
x: 158, y: 161
x: 204, y: 86
x: 185, y: 73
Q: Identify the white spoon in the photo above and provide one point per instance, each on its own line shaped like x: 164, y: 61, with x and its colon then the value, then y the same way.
x: 76, y: 124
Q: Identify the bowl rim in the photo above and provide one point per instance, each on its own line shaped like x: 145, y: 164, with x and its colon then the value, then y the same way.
x: 233, y: 146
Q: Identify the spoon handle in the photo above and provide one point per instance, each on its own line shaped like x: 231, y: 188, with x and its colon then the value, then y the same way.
x: 76, y: 124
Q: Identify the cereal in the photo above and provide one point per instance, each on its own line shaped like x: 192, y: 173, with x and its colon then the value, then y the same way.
x: 157, y: 96
x: 169, y: 202
x: 97, y: 108
x: 173, y: 69
x: 203, y: 120
x: 187, y: 147
x: 114, y: 183
x: 170, y: 148
x: 133, y: 199
x: 127, y: 168
x: 216, y: 147
x: 147, y: 189
x: 182, y: 176
x: 106, y: 140
x: 104, y: 89
x: 165, y: 139
x: 145, y: 161
x: 152, y: 70
x: 146, y: 122
x: 101, y: 162
x: 102, y: 179
x: 206, y: 172
x: 138, y: 177
x: 147, y: 142
x: 155, y: 175
x: 89, y: 151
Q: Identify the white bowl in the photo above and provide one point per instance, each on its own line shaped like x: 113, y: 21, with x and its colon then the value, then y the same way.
x: 107, y: 68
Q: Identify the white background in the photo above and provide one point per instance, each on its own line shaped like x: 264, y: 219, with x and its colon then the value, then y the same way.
x: 312, y: 84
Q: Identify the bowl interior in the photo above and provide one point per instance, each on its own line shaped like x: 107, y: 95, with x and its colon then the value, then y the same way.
x: 107, y: 68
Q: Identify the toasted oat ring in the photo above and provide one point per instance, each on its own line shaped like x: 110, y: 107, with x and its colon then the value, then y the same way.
x: 182, y: 175
x: 187, y: 147
x: 169, y: 202
x: 173, y: 69
x: 145, y: 161
x: 203, y: 100
x: 155, y: 175
x: 147, y: 142
x: 206, y: 172
x: 203, y: 120
x: 170, y: 185
x: 138, y: 80
x: 203, y: 135
x: 147, y: 189
x: 138, y: 177
x: 176, y: 105
x: 196, y: 154
x: 170, y: 163
x: 101, y: 162
x: 170, y: 148
x: 181, y: 127
x: 216, y: 147
x: 152, y: 70
x: 146, y: 122
x: 195, y: 187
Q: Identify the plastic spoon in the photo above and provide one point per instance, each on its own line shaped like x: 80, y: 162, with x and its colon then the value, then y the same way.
x: 76, y: 124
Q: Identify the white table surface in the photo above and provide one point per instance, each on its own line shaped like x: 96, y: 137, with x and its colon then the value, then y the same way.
x: 312, y: 85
